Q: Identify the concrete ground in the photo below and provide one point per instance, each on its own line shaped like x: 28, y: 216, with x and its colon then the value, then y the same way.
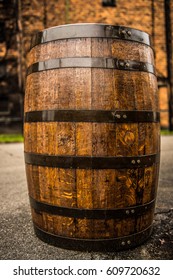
x: 17, y: 239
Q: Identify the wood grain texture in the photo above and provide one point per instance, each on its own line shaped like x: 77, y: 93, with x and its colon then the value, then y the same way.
x: 94, y: 47
x: 92, y: 89
x: 93, y: 229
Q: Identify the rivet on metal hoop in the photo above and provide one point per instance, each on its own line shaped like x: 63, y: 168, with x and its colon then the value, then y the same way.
x: 129, y: 242
x: 129, y: 32
x: 123, y: 243
x: 109, y: 27
x: 132, y: 211
x: 118, y: 116
x: 121, y: 63
x: 123, y: 31
x: 138, y: 161
x: 127, y: 64
x: 127, y: 212
x: 124, y: 116
x: 133, y: 161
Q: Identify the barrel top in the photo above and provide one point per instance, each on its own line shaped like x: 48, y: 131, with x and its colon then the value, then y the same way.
x: 90, y: 30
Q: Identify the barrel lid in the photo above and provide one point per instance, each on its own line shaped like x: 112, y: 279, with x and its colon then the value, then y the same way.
x: 89, y: 30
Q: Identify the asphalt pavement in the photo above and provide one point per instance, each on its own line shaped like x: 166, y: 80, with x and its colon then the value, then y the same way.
x: 17, y: 238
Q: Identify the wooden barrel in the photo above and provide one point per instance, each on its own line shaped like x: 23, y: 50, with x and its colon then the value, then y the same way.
x: 91, y: 132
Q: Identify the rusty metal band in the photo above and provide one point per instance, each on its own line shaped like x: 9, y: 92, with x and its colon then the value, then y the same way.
x: 100, y: 214
x: 78, y: 31
x: 98, y: 116
x: 91, y: 62
x: 107, y: 245
x: 79, y: 162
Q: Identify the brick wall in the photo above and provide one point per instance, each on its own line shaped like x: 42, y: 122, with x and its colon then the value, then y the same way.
x: 136, y: 14
x: 147, y: 15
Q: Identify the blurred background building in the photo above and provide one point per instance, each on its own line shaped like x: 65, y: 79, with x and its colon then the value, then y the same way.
x: 19, y: 19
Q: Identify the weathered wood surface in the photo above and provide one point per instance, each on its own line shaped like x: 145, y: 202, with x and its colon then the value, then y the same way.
x: 92, y: 89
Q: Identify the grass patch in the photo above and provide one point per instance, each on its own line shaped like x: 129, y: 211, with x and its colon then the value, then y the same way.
x: 166, y: 132
x: 11, y: 138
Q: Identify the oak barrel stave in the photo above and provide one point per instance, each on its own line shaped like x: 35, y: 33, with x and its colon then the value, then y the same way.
x: 92, y: 89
